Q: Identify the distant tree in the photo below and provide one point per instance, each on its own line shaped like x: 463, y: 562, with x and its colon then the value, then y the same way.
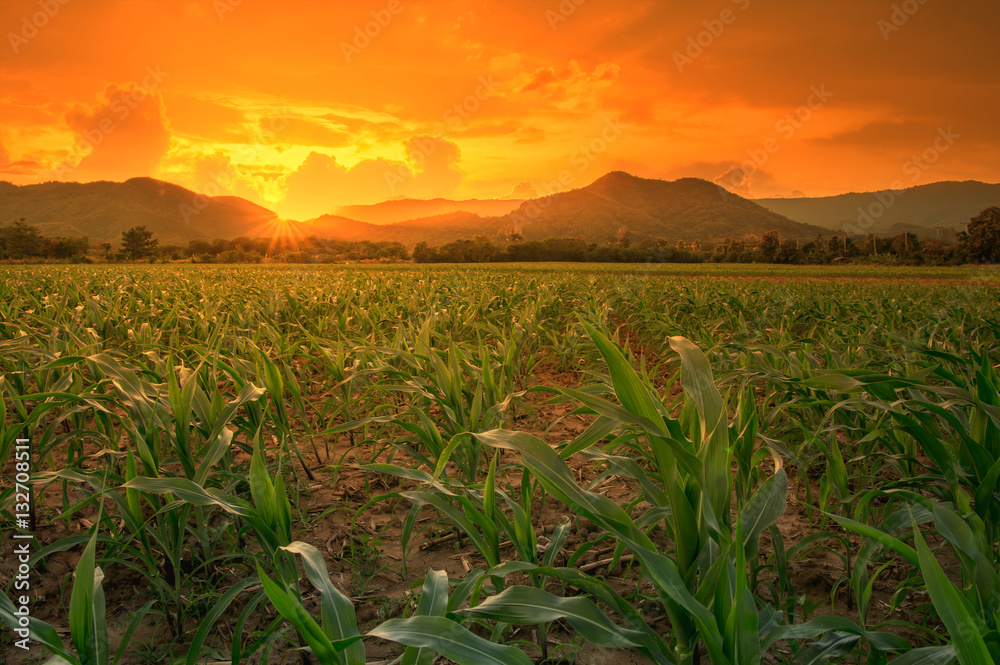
x: 198, y: 247
x: 981, y: 239
x: 424, y: 254
x: 622, y: 237
x: 64, y: 248
x: 138, y: 243
x: 789, y: 253
x: 769, y: 246
x: 23, y: 241
x: 906, y: 245
x: 106, y: 246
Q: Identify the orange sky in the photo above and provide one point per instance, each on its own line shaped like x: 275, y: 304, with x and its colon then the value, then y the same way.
x: 284, y: 104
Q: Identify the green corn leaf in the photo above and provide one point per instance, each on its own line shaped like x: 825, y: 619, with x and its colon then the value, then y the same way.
x: 337, y: 610
x: 290, y: 606
x: 765, y: 506
x: 558, y: 480
x: 461, y: 520
x: 965, y: 629
x: 433, y: 602
x: 896, y: 545
x: 833, y: 646
x: 38, y: 631
x: 87, y: 626
x: 449, y: 639
x: 928, y: 656
x: 531, y: 605
x: 629, y: 388
x: 208, y: 621
x: 191, y: 493
x: 819, y: 625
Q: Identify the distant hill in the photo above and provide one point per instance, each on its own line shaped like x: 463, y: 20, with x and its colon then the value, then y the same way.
x: 436, y: 229
x: 390, y: 212
x: 685, y: 209
x: 102, y: 210
x: 945, y: 204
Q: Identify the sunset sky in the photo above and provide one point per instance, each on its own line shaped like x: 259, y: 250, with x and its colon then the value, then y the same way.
x: 293, y: 106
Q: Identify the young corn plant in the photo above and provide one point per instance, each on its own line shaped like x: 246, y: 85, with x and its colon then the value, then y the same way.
x: 467, y: 395
x: 335, y: 640
x: 969, y: 611
x: 704, y: 584
x: 87, y: 624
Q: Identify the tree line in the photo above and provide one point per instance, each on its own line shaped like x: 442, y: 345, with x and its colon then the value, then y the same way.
x: 979, y: 243
x: 23, y: 242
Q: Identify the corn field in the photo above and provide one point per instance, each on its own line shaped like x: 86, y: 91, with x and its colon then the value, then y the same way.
x: 347, y: 465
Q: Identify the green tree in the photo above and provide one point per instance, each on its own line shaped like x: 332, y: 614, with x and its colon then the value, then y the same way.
x: 138, y: 242
x: 23, y: 241
x: 424, y: 254
x: 906, y: 245
x: 769, y: 246
x: 981, y: 239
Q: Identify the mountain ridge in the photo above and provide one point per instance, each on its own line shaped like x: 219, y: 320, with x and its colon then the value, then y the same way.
x: 948, y: 204
x: 616, y: 205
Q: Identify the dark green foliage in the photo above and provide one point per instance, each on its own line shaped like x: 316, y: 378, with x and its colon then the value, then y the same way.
x: 138, y: 242
x: 981, y: 241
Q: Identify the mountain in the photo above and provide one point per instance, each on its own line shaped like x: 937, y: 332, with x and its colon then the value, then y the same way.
x: 391, y: 212
x: 436, y: 229
x: 102, y: 210
x: 685, y: 209
x: 945, y: 204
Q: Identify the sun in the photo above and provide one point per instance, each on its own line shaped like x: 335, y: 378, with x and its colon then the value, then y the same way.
x: 286, y: 235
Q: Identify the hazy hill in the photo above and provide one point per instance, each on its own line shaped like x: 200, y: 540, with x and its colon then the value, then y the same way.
x: 685, y: 209
x: 102, y: 210
x: 946, y: 204
x: 436, y: 230
x: 390, y: 212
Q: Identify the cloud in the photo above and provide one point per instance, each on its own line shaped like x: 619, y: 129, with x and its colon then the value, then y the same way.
x: 522, y: 190
x: 750, y: 184
x: 4, y: 157
x: 736, y: 180
x: 434, y: 165
x: 321, y: 183
x: 303, y: 131
x: 897, y: 134
x: 569, y: 86
x: 123, y: 136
